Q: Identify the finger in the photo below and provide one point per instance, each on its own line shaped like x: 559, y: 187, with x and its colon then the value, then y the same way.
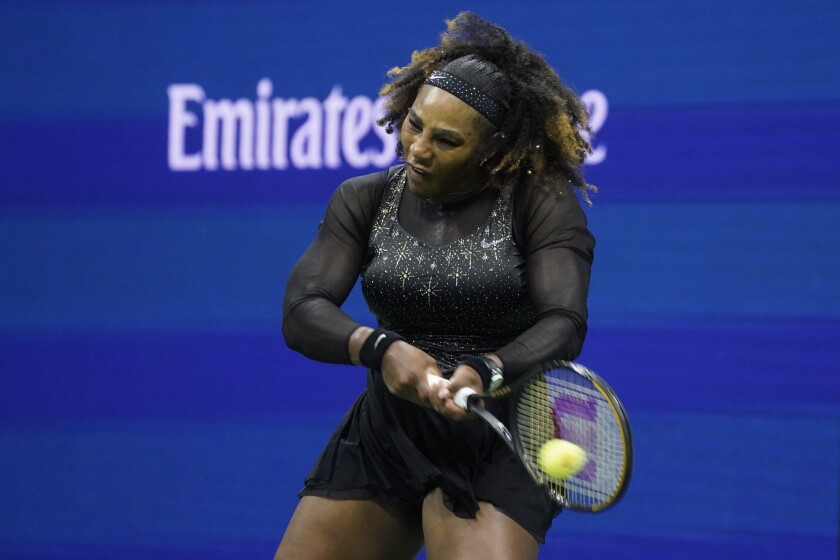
x: 454, y: 411
x: 434, y: 381
x: 438, y: 387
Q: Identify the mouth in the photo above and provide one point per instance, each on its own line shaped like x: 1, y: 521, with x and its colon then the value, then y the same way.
x: 419, y: 171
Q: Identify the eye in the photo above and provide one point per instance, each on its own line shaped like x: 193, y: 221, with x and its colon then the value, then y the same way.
x: 447, y: 142
x: 414, y: 125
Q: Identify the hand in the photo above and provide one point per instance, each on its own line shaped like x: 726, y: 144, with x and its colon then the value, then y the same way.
x: 405, y: 370
x: 442, y: 400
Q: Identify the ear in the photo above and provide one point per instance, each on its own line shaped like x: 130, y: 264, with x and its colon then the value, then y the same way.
x: 493, y: 145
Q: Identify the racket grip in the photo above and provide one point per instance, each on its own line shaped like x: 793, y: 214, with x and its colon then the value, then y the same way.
x: 462, y: 396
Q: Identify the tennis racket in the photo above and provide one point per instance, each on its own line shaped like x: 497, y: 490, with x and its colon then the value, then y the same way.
x: 564, y: 400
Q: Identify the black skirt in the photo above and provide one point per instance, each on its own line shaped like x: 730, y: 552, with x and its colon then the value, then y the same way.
x: 389, y: 449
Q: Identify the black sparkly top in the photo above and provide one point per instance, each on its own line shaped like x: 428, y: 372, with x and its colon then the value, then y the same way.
x: 502, y: 274
x: 455, y: 300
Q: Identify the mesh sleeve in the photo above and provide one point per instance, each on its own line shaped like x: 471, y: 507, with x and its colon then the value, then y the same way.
x: 552, y: 230
x: 321, y: 280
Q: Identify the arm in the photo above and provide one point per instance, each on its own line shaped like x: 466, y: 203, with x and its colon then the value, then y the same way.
x: 552, y: 231
x: 321, y: 280
x: 313, y: 322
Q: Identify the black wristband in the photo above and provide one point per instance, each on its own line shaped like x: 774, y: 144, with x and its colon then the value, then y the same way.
x: 482, y: 368
x: 374, y: 347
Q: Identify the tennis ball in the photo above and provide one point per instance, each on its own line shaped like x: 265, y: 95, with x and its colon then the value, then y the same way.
x: 561, y: 459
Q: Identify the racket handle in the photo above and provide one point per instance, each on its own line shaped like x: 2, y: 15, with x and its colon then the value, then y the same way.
x: 461, y: 398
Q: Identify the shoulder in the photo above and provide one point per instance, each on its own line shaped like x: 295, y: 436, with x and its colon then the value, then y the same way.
x: 366, y: 181
x: 547, y: 216
x: 354, y: 203
x: 364, y: 190
x: 533, y: 201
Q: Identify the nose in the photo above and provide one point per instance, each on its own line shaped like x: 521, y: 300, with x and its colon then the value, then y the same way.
x: 420, y: 148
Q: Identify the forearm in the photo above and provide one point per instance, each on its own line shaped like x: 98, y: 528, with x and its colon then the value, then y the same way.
x: 557, y: 336
x: 319, y: 330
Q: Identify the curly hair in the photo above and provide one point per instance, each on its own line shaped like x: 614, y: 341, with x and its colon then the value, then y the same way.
x: 545, y: 137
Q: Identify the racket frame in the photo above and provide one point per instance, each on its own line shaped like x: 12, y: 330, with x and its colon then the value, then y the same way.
x: 470, y: 401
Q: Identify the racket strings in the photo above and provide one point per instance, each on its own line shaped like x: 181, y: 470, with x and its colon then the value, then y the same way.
x: 562, y: 404
x: 536, y: 425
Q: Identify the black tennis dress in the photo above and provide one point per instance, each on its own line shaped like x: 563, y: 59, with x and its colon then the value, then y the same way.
x: 453, y: 293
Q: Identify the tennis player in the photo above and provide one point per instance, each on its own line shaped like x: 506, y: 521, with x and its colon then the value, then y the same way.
x: 475, y: 259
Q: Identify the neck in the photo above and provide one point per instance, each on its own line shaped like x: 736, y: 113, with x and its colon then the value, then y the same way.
x: 470, y: 192
x: 457, y: 197
x: 450, y: 207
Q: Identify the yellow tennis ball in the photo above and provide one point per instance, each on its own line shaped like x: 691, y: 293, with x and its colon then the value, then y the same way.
x: 561, y: 459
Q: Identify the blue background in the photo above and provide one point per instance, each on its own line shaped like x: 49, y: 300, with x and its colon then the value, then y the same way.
x: 148, y: 405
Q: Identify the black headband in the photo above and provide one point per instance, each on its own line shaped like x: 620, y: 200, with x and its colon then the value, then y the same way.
x: 494, y: 110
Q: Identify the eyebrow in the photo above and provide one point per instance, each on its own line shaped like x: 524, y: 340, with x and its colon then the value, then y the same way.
x: 448, y: 132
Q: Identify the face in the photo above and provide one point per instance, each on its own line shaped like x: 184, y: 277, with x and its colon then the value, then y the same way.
x: 444, y: 140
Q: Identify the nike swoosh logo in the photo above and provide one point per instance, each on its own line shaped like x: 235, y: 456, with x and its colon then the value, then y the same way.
x: 487, y: 244
x: 378, y: 340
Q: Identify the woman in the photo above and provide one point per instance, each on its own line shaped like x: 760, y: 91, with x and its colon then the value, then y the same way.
x: 475, y: 258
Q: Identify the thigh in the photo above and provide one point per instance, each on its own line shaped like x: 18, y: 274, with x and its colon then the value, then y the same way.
x: 327, y: 529
x: 491, y: 535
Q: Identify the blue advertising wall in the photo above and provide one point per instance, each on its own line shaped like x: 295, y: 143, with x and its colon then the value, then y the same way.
x: 148, y: 405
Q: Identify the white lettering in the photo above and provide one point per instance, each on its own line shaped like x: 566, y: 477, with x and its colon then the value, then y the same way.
x: 305, y: 151
x: 356, y: 125
x: 274, y: 133
x: 597, y: 106
x: 229, y: 114
x: 179, y: 119
x: 282, y: 110
x: 264, y: 89
x: 333, y: 105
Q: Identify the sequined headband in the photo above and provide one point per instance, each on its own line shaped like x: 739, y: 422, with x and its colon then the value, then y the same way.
x: 494, y: 110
